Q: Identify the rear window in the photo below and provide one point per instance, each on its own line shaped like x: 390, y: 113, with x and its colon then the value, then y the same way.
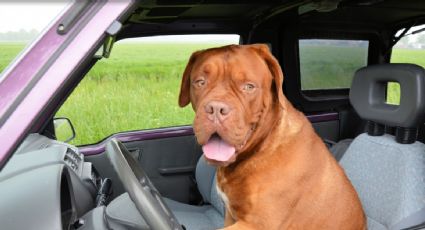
x: 330, y: 64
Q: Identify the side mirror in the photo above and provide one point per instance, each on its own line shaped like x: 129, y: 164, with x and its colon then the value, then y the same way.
x: 64, y: 129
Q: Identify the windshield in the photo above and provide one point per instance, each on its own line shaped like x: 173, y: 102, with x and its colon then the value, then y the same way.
x: 21, y: 23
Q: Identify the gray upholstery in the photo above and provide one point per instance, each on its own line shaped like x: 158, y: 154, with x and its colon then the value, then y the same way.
x: 208, y: 216
x: 339, y: 148
x: 388, y: 177
x: 388, y: 172
x: 193, y: 217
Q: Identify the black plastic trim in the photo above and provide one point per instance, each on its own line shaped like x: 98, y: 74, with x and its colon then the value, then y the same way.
x: 73, y: 14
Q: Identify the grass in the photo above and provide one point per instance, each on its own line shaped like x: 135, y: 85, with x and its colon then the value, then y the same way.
x: 138, y: 86
x: 329, y: 67
x: 403, y: 56
x: 8, y: 52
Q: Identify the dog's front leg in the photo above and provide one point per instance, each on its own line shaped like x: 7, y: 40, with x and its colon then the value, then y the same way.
x: 232, y: 224
x: 238, y: 225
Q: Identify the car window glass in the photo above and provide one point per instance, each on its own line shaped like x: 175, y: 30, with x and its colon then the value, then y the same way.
x: 409, y: 49
x: 21, y: 22
x: 329, y: 63
x: 136, y: 88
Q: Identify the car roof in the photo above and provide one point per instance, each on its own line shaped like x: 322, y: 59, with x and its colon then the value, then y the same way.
x: 350, y: 11
x: 157, y: 17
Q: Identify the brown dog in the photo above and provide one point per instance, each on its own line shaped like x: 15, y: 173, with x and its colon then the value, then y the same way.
x: 274, y: 171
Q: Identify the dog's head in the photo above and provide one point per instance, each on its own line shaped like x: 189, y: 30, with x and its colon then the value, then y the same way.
x: 234, y: 90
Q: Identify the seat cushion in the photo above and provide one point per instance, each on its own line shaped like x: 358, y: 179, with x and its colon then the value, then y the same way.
x: 193, y: 217
x: 207, y: 184
x: 205, y: 176
x: 389, y: 179
x: 207, y: 216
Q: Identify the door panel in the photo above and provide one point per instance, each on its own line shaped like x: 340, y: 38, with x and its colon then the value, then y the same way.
x: 169, y: 156
x: 326, y: 125
x: 336, y: 126
x: 328, y: 130
x: 170, y: 164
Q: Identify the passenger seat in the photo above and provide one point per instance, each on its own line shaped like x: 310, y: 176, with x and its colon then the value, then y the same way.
x: 205, y: 217
x: 388, y: 172
x: 338, y: 149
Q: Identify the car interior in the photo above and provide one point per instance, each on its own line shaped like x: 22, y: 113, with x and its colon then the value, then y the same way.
x: 158, y: 179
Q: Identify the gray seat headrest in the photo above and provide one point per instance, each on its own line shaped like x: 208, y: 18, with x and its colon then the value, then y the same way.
x: 368, y: 94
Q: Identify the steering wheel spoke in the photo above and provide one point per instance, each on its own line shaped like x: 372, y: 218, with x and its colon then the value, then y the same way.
x: 142, y: 192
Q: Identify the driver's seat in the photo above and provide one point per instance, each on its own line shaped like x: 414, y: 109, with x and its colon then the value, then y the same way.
x: 208, y: 216
x: 211, y: 215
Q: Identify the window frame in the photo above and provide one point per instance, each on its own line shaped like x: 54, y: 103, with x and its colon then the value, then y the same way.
x: 322, y: 100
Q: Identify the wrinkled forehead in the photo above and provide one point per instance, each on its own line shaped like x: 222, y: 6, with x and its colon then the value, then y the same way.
x: 237, y: 63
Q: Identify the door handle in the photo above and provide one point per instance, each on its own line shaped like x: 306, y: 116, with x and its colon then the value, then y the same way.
x: 176, y: 170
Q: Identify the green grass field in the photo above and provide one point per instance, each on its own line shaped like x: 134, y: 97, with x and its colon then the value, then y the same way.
x: 330, y: 66
x: 138, y: 86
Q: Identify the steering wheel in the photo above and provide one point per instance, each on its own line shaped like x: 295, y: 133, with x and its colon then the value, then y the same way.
x: 142, y: 192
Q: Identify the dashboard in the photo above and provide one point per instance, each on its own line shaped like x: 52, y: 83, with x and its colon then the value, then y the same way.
x: 46, y: 180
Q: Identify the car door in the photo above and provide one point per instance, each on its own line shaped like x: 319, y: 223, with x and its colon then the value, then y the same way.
x: 167, y: 155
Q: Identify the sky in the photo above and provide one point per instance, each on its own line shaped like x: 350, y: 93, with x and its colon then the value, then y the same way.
x: 27, y: 15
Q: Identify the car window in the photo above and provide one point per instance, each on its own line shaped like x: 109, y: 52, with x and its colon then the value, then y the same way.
x: 16, y: 32
x: 409, y: 49
x: 137, y: 87
x: 330, y: 63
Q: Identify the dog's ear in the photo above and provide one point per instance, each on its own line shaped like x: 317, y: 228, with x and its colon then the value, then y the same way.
x: 274, y: 67
x: 184, y: 98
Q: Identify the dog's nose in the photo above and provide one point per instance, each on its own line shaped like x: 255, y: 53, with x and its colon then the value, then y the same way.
x: 217, y: 110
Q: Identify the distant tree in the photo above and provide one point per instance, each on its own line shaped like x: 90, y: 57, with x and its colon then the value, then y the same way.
x: 421, y: 39
x: 21, y: 35
x: 403, y: 43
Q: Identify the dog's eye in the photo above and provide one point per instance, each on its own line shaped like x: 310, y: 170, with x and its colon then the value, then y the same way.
x: 199, y: 82
x: 248, y: 87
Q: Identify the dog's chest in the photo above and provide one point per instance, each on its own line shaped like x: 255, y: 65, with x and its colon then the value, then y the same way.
x: 226, y: 202
x: 234, y: 195
x: 223, y: 196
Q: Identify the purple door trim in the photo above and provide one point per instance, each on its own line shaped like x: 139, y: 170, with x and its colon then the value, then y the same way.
x: 138, y: 136
x: 322, y: 117
x: 19, y: 121
x: 173, y: 132
x: 22, y: 72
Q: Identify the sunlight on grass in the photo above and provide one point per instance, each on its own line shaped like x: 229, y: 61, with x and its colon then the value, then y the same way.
x: 393, y: 93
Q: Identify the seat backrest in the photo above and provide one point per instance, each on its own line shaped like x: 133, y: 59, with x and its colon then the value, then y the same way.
x: 207, y: 184
x: 388, y: 172
x: 389, y: 179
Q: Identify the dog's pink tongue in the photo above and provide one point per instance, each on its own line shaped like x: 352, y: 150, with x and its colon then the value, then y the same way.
x: 217, y: 149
